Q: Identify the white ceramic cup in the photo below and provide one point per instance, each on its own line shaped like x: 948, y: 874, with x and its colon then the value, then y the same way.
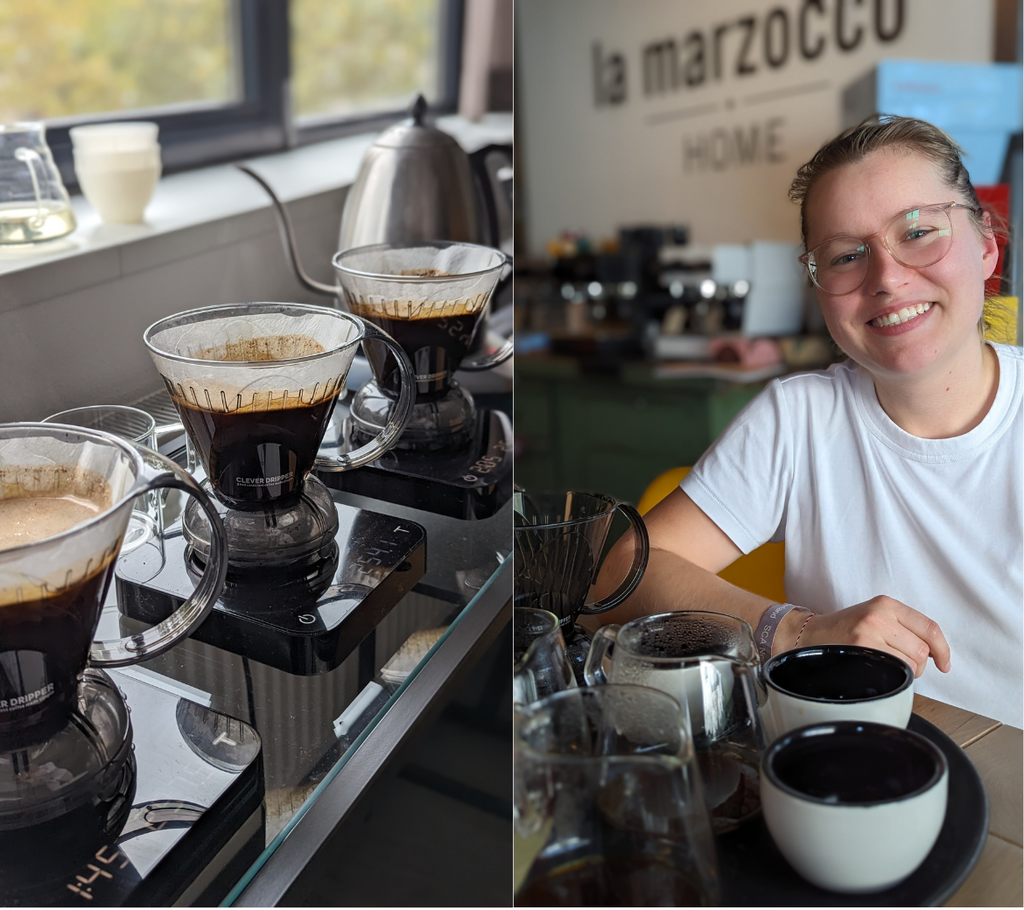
x: 118, y: 166
x: 824, y: 683
x: 854, y: 807
x: 115, y: 137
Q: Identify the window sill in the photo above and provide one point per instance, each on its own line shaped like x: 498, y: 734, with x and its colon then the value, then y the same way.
x: 197, y: 211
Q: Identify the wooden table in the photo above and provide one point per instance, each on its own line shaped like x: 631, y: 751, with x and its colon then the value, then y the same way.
x: 997, y: 751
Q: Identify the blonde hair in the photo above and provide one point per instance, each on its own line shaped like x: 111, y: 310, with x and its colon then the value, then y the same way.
x: 907, y: 134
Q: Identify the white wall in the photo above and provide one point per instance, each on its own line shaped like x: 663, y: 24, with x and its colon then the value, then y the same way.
x: 598, y: 152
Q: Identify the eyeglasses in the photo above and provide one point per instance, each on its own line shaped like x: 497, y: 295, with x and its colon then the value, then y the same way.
x: 916, y: 238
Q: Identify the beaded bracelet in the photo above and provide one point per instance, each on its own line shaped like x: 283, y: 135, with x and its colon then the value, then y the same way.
x: 769, y: 623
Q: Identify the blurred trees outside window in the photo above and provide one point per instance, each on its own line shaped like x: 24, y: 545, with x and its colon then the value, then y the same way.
x: 352, y: 56
x: 68, y: 58
x: 225, y: 78
x: 75, y: 58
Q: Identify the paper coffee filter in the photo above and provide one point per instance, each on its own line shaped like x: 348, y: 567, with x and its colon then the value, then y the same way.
x: 242, y: 333
x: 439, y: 282
x: 45, y: 570
x: 263, y: 373
x: 397, y: 305
x: 449, y: 261
x: 54, y: 467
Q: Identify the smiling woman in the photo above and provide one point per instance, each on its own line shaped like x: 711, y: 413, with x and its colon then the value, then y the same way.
x: 895, y: 479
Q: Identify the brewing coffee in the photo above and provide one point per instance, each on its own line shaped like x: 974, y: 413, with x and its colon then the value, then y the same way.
x: 55, y: 568
x: 848, y: 767
x: 26, y: 519
x: 46, y: 632
x: 253, y: 455
x: 257, y: 447
x: 435, y: 338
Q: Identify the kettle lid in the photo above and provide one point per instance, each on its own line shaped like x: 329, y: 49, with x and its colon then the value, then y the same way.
x: 413, y: 132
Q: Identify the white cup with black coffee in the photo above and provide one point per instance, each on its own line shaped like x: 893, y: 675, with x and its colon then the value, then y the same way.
x: 854, y: 807
x: 826, y: 683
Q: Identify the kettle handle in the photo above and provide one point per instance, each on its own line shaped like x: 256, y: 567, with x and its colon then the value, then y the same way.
x: 291, y: 248
x: 488, y: 188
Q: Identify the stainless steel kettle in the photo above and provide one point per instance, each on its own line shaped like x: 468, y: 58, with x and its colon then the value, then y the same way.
x: 416, y: 183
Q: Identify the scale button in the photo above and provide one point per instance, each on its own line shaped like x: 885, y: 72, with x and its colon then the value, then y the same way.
x: 222, y: 741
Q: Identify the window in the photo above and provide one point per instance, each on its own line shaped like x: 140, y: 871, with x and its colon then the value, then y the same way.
x: 225, y: 79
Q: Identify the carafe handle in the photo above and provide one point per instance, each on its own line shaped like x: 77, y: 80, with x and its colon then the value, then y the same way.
x: 163, y: 473
x: 602, y: 642
x: 398, y: 416
x: 641, y: 554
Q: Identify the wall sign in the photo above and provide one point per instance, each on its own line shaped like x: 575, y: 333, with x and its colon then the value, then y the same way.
x: 700, y: 111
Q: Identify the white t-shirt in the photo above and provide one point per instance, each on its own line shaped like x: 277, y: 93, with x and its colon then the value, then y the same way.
x: 867, y: 509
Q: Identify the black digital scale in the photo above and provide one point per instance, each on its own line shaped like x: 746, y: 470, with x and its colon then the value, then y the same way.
x: 471, y: 481
x: 177, y: 817
x: 303, y: 622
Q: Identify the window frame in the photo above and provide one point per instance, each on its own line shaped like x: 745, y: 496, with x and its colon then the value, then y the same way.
x: 197, y: 135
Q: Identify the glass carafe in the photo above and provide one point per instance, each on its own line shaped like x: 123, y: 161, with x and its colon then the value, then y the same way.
x: 34, y: 205
x: 708, y: 662
x: 608, y: 803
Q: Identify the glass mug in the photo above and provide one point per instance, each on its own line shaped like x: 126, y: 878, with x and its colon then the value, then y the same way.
x: 707, y: 661
x: 608, y: 795
x: 66, y: 497
x: 255, y: 385
x: 138, y: 427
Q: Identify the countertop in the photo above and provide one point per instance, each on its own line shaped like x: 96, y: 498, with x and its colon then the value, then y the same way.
x: 997, y: 751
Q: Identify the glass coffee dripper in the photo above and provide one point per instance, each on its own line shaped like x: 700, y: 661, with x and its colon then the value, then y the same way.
x: 255, y: 385
x: 56, y: 566
x: 559, y: 542
x: 34, y: 204
x: 430, y: 298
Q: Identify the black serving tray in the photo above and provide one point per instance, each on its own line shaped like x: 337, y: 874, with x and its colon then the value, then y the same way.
x: 755, y: 873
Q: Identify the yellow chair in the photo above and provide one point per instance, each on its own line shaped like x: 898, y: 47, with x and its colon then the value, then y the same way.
x: 760, y: 571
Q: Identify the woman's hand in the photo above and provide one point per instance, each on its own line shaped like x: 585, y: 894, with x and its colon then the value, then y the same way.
x: 883, y: 623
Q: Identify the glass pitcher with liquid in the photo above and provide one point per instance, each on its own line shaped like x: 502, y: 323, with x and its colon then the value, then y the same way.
x: 34, y: 205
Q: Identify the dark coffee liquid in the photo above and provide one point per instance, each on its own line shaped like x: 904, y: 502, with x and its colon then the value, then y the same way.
x: 608, y: 881
x: 44, y: 646
x: 732, y: 777
x: 845, y: 768
x: 256, y: 457
x: 846, y: 674
x: 435, y: 347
